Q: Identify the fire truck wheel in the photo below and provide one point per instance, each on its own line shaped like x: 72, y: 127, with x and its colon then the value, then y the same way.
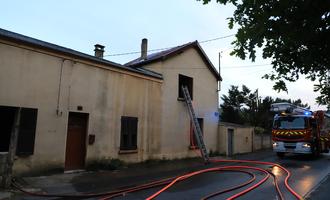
x: 280, y: 154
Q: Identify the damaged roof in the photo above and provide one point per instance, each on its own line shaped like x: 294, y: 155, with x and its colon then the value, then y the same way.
x: 22, y: 39
x: 163, y: 55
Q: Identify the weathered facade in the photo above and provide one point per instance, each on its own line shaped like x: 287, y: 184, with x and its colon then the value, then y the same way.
x: 186, y: 64
x: 80, y: 108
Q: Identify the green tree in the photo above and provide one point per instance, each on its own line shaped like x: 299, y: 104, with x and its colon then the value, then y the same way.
x: 265, y: 117
x: 231, y: 107
x: 294, y: 34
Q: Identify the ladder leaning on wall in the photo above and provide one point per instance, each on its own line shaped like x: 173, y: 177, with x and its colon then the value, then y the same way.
x: 196, y: 126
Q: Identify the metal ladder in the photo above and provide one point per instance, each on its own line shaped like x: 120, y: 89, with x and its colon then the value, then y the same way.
x: 197, y: 128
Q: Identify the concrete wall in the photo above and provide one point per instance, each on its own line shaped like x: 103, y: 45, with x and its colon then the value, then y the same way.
x: 244, y: 139
x: 262, y: 141
x: 175, y: 121
x: 47, y: 81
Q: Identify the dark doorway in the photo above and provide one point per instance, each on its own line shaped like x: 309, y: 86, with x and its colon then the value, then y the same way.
x: 76, y: 141
x: 7, y: 115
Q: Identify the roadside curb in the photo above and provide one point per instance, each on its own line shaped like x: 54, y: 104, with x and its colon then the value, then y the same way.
x: 308, y: 194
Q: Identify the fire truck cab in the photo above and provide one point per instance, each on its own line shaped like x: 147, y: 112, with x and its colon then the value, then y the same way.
x: 297, y: 130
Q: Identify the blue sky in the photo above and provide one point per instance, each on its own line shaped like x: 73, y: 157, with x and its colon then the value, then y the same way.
x: 120, y: 26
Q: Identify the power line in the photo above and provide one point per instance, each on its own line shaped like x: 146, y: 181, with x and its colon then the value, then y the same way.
x: 203, y: 67
x: 218, y: 38
x: 246, y: 66
x: 161, y: 49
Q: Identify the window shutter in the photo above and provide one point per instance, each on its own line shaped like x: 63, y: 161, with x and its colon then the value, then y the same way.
x: 128, y: 140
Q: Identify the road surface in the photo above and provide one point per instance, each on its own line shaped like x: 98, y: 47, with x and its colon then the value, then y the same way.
x: 307, y: 173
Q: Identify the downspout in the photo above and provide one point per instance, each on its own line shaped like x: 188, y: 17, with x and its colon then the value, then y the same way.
x: 218, y: 92
x: 58, y: 111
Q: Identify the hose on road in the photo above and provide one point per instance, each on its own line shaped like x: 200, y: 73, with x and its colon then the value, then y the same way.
x: 169, y: 182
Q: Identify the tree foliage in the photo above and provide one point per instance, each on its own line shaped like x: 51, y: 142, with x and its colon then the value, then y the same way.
x: 243, y: 106
x: 294, y: 34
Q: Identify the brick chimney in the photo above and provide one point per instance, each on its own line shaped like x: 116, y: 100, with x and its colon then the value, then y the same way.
x: 144, y: 48
x: 99, y: 50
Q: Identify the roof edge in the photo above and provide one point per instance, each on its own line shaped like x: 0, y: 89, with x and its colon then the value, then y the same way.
x: 177, y: 49
x: 29, y: 41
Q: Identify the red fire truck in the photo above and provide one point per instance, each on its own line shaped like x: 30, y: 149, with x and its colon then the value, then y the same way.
x: 299, y: 130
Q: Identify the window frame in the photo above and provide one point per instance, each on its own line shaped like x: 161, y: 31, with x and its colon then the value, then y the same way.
x: 26, y: 131
x: 128, y: 133
x: 185, y: 80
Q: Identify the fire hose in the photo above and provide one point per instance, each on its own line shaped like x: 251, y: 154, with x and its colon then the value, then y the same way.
x: 169, y: 182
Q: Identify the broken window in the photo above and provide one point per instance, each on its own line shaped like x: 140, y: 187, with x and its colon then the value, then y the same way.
x: 26, y: 132
x: 185, y: 81
x: 193, y: 140
x: 128, y: 139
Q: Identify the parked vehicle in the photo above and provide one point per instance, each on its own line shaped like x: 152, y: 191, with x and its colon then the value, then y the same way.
x: 299, y: 130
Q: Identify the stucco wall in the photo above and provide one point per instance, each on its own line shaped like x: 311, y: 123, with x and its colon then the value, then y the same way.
x: 37, y: 80
x: 175, y: 123
x: 244, y: 139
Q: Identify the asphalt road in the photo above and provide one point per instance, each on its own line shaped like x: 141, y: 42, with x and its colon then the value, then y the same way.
x: 309, y: 179
x: 307, y: 173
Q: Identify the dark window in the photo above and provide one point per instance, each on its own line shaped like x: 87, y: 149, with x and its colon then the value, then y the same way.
x: 7, y: 115
x: 128, y: 139
x: 185, y: 81
x: 25, y: 143
x: 26, y: 133
x: 193, y: 140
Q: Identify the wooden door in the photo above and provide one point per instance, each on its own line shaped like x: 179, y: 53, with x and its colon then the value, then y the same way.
x: 76, y: 141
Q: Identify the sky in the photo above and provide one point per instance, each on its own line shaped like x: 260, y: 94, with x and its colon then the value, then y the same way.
x: 121, y: 25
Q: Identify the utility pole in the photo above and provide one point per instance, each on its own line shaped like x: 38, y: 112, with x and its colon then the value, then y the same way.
x: 219, y: 84
x: 7, y: 178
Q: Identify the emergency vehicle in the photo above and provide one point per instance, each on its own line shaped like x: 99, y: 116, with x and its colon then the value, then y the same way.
x: 299, y: 130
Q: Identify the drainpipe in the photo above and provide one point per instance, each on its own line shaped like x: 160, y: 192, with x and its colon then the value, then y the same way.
x: 58, y: 111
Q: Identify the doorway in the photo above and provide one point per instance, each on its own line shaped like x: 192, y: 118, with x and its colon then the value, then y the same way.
x: 76, y: 141
x: 7, y: 115
x: 230, y: 142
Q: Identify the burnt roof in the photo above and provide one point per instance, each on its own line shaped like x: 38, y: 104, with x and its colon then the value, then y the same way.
x: 22, y: 39
x: 163, y: 55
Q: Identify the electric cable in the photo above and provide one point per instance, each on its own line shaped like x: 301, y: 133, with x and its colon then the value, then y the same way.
x: 166, y: 48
